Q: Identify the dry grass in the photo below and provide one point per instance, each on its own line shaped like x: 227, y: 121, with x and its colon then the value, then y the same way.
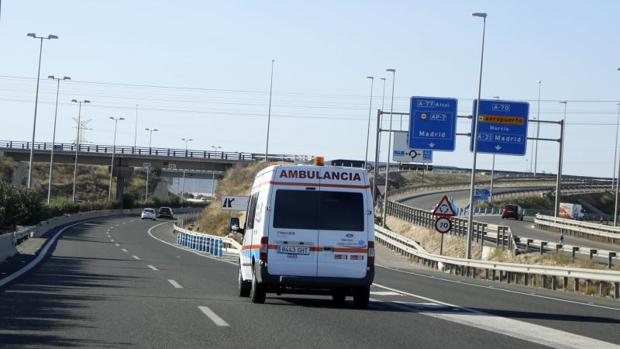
x: 237, y: 181
x: 455, y: 246
x: 430, y: 240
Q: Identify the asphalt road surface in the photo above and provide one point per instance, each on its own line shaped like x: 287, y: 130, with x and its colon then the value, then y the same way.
x: 110, y: 284
x: 523, y: 228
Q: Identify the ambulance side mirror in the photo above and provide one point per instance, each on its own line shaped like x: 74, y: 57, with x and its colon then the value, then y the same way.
x: 235, y: 226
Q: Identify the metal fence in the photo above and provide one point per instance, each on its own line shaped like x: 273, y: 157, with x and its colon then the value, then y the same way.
x: 149, y: 151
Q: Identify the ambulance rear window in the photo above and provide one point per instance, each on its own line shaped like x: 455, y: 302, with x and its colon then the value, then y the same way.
x: 319, y: 210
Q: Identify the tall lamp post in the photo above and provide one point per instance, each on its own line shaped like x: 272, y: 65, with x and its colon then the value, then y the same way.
x: 36, y: 101
x: 617, y: 183
x: 116, y: 120
x: 150, y: 131
x: 537, y: 130
x: 77, y: 142
x: 470, y: 226
x: 372, y: 81
x: 558, y: 180
x: 186, y: 140
x: 614, y: 181
x: 49, y: 179
x: 389, y: 152
x: 216, y: 148
x: 269, y: 112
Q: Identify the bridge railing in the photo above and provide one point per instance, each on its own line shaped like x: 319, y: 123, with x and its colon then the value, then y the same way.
x: 579, y: 228
x: 149, y: 151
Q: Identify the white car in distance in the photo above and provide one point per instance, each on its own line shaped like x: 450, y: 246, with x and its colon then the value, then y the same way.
x: 148, y: 213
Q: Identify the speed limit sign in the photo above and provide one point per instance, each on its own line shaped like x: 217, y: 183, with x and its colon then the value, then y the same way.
x: 443, y: 224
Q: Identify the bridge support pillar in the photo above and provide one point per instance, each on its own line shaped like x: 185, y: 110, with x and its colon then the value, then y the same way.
x: 616, y: 290
x: 576, y: 285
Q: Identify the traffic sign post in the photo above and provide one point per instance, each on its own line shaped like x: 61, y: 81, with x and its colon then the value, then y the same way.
x: 432, y: 123
x: 443, y: 211
x: 442, y: 225
x: 403, y: 153
x: 444, y: 208
x: 482, y: 194
x: 502, y: 127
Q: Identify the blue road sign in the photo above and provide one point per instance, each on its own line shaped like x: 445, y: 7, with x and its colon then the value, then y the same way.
x: 482, y: 194
x: 502, y: 127
x: 432, y: 123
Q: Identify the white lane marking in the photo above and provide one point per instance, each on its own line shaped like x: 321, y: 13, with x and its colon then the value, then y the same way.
x: 135, y: 257
x: 42, y: 254
x: 184, y: 248
x: 111, y: 240
x: 385, y: 293
x: 117, y: 244
x: 174, y: 284
x: 124, y: 250
x: 152, y: 267
x: 213, y: 316
x: 498, y: 288
x: 509, y: 327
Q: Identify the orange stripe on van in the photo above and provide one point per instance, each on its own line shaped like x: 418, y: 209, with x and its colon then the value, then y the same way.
x: 350, y: 250
x: 350, y: 186
x: 250, y: 247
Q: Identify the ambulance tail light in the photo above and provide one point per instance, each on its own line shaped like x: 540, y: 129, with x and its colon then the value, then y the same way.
x: 264, y: 246
x: 371, y: 253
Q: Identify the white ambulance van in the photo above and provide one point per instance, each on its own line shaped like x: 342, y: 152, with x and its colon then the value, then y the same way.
x: 308, y: 229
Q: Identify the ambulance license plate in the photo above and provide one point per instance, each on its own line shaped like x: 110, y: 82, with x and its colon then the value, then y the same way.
x: 294, y: 250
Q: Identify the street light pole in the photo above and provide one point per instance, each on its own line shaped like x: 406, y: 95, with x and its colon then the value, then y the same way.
x: 150, y: 131
x: 135, y: 131
x: 558, y: 180
x: 49, y: 179
x: 389, y: 152
x: 470, y: 225
x: 186, y: 140
x: 372, y: 81
x: 538, y: 131
x: 36, y: 101
x: 269, y: 112
x: 216, y: 148
x: 77, y: 142
x: 116, y: 120
x: 614, y: 179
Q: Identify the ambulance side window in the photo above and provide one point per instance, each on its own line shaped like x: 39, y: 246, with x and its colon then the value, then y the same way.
x: 251, y: 212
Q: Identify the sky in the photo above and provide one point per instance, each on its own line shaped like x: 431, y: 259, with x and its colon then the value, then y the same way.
x: 201, y: 70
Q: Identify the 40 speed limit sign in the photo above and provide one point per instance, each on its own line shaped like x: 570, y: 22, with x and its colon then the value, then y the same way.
x: 443, y: 224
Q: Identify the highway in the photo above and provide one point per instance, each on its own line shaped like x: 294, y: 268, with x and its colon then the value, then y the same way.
x: 118, y: 282
x: 523, y: 228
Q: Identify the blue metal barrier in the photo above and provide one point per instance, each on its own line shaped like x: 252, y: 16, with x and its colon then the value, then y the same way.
x: 201, y: 243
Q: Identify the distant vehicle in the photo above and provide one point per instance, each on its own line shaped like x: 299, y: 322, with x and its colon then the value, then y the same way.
x: 165, y: 212
x: 308, y: 229
x: 571, y: 211
x: 512, y: 211
x: 148, y: 213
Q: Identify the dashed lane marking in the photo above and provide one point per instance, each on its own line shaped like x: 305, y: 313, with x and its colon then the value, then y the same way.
x: 217, y: 320
x: 174, y: 284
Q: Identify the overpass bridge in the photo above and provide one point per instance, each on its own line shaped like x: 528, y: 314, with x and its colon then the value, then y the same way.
x: 129, y: 156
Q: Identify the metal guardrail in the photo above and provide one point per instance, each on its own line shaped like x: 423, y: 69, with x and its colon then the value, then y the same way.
x: 202, y: 242
x: 501, y: 236
x: 149, y: 151
x: 525, y: 274
x: 579, y: 228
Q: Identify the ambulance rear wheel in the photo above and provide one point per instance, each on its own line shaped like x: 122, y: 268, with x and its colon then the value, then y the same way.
x: 257, y: 291
x: 244, y: 286
x: 361, y: 297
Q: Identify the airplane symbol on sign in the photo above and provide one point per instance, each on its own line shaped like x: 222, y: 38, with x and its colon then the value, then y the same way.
x: 228, y: 202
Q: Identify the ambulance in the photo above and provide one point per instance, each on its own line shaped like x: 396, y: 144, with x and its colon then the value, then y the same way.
x: 309, y: 229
